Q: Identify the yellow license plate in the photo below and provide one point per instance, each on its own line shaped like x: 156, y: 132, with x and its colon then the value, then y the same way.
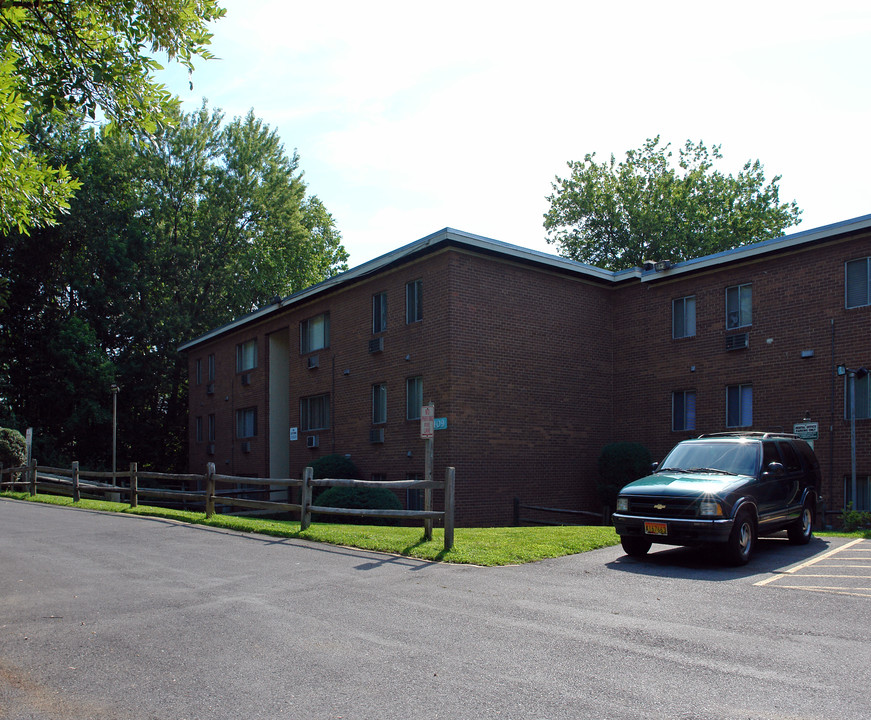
x: 655, y: 528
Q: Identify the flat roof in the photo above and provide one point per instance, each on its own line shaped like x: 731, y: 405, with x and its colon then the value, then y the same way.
x: 449, y: 237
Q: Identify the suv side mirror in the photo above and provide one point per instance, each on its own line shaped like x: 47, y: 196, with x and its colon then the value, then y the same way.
x: 653, y: 466
x: 775, y: 469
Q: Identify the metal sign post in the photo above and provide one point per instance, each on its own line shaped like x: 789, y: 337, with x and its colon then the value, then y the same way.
x: 427, y: 432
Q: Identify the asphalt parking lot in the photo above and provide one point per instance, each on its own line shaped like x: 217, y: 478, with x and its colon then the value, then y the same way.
x: 843, y: 570
x: 111, y: 617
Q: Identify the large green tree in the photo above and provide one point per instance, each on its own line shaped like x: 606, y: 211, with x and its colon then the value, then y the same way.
x: 171, y: 234
x: 616, y: 215
x: 81, y: 58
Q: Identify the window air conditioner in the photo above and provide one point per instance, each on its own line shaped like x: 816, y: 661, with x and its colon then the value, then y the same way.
x: 210, y: 389
x: 246, y: 378
x: 312, y: 441
x: 376, y: 435
x: 210, y: 449
x: 246, y: 446
x: 313, y: 362
x: 376, y: 344
x: 737, y: 342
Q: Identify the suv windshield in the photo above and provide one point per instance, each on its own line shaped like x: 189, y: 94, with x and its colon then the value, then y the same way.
x: 736, y: 458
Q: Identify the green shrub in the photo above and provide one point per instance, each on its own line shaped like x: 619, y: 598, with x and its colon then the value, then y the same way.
x: 619, y: 464
x: 13, y: 448
x: 360, y: 498
x: 334, y: 466
x: 853, y: 520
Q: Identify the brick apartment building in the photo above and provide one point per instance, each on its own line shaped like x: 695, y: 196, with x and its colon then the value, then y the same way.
x: 537, y: 362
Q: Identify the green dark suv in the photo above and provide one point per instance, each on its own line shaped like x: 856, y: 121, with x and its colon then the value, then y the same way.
x: 724, y: 489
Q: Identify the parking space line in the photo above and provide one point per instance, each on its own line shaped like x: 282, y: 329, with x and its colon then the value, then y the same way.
x: 813, y: 561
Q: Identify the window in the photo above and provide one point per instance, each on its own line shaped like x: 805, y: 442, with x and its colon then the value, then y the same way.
x: 414, y: 301
x: 211, y: 375
x: 739, y: 406
x: 858, y: 283
x: 739, y: 306
x: 314, y: 413
x: 683, y: 410
x: 379, y: 404
x: 413, y: 397
x: 198, y: 371
x: 379, y: 313
x: 413, y: 497
x: 683, y: 317
x: 314, y: 333
x: 246, y: 356
x: 862, y: 501
x: 199, y: 429
x: 211, y: 428
x: 246, y: 422
x: 863, y: 397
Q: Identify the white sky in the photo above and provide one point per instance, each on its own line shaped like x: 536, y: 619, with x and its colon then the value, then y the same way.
x: 410, y: 117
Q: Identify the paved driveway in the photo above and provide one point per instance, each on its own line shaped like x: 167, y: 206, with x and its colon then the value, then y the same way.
x: 107, y: 616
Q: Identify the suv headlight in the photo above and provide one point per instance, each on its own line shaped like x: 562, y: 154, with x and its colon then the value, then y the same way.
x: 710, y: 508
x: 622, y: 504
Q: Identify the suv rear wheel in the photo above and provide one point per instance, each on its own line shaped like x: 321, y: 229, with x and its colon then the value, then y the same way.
x: 801, y: 530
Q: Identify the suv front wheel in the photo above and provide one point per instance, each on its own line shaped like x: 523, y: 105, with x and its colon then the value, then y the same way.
x: 742, y: 539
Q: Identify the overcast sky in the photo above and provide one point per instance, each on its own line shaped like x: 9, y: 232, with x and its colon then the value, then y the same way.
x: 411, y: 117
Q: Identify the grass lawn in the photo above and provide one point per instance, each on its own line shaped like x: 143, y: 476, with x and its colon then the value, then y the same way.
x: 474, y: 546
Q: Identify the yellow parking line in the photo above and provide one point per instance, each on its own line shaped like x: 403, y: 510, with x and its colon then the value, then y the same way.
x: 812, y: 561
x: 830, y: 590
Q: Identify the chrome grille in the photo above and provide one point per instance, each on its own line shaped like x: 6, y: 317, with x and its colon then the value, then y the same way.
x: 653, y: 507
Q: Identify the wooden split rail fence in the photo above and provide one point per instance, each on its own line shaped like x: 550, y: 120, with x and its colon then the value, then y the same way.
x: 36, y: 477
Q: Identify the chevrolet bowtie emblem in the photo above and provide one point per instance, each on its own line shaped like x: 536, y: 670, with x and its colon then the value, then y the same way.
x: 659, y: 506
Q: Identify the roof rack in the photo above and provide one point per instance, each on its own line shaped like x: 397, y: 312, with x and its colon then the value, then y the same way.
x: 750, y: 434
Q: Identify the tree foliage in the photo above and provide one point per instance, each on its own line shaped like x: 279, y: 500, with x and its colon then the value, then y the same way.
x: 171, y: 234
x: 78, y: 58
x: 617, y: 215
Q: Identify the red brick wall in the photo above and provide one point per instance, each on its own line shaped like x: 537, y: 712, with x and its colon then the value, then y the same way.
x: 536, y: 371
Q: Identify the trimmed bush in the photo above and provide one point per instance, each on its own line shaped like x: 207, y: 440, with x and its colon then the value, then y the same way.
x: 13, y: 448
x: 334, y: 466
x: 620, y: 464
x: 359, y: 498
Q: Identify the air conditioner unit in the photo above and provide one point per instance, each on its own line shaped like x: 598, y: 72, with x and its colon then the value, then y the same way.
x: 210, y: 449
x: 246, y: 378
x: 246, y: 447
x: 313, y: 362
x: 376, y: 435
x: 737, y: 342
x: 376, y: 344
x: 210, y: 389
x: 312, y: 441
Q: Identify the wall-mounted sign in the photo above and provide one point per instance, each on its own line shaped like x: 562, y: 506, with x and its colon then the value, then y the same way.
x: 807, y: 430
x: 293, y: 434
x: 440, y: 424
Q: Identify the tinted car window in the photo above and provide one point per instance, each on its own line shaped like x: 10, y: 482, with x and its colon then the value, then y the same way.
x: 790, y: 457
x: 769, y: 455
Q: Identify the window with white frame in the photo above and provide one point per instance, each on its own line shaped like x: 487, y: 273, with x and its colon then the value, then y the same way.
x: 211, y: 435
x: 379, y: 312
x: 314, y: 413
x: 683, y: 410
x: 246, y: 423
x: 246, y: 356
x: 413, y: 397
x: 863, y: 397
x: 739, y: 306
x: 379, y: 403
x: 739, y: 406
x: 858, y: 282
x: 314, y: 333
x: 414, y: 301
x: 683, y: 317
x: 199, y: 429
x: 211, y: 369
x: 198, y: 371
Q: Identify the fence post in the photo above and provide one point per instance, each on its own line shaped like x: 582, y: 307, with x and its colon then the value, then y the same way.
x: 305, y: 499
x: 32, y: 477
x: 450, y: 478
x: 134, y: 485
x: 210, y: 490
x: 76, y: 493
